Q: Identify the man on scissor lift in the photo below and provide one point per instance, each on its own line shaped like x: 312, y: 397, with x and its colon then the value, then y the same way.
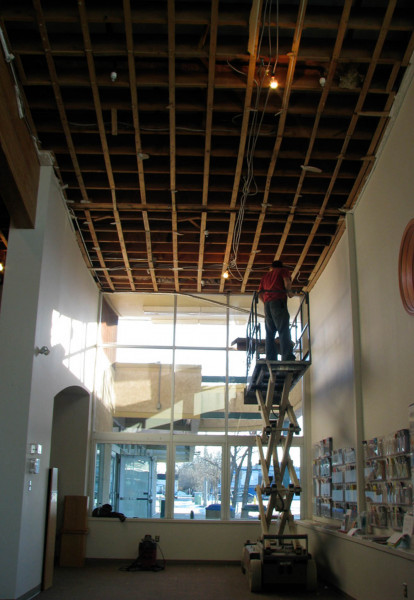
x: 274, y: 290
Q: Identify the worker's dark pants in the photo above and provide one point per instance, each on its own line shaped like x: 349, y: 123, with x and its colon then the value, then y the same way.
x: 277, y: 319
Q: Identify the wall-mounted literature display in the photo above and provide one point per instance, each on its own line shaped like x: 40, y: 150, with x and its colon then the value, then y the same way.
x: 334, y: 480
x: 322, y: 478
x: 388, y: 481
x: 344, y: 492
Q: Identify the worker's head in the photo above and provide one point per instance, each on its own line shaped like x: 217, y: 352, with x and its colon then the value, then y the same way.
x: 277, y: 264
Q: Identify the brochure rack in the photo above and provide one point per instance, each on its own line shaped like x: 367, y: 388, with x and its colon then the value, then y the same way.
x: 334, y: 481
x: 280, y: 555
x: 388, y: 481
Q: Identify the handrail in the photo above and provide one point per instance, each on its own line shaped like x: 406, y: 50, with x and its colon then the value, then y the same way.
x: 299, y: 328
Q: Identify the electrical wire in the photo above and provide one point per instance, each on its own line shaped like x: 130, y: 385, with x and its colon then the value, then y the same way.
x: 250, y: 187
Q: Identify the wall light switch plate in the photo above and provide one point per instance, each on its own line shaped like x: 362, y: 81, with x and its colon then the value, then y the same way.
x: 36, y: 448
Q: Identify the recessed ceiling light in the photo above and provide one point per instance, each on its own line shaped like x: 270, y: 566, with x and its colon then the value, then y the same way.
x: 310, y: 169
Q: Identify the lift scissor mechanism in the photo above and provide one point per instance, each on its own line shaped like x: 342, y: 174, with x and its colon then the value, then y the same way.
x: 280, y: 556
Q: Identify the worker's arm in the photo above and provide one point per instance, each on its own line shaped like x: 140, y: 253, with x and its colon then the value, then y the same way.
x: 288, y: 286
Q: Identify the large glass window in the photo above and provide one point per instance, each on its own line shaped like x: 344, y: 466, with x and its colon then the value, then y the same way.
x: 199, y: 392
x: 197, y: 492
x: 201, y: 322
x: 174, y: 385
x: 246, y: 474
x: 131, y: 478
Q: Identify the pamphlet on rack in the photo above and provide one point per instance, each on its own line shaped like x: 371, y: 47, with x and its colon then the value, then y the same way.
x: 402, y: 539
x: 346, y: 522
x: 408, y: 524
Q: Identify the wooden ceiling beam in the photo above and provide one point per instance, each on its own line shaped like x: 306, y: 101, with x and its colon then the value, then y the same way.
x: 364, y: 91
x: 172, y: 135
x: 137, y: 136
x: 102, y: 134
x: 254, y: 28
x: 279, y: 135
x: 325, y: 91
x: 208, y: 135
x: 63, y: 117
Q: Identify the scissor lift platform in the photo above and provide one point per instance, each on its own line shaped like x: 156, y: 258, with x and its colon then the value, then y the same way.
x: 277, y: 558
x: 264, y: 370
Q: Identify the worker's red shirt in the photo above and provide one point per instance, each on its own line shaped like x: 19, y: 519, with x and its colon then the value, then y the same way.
x: 274, y: 285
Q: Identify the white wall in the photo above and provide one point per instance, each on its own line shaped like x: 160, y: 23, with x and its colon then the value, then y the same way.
x: 179, y: 540
x: 332, y: 372
x: 387, y: 330
x: 362, y: 569
x: 46, y: 285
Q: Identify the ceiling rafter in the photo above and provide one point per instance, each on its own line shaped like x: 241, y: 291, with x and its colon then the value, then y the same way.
x: 223, y: 187
x: 279, y: 136
x: 254, y: 28
x: 321, y: 106
x: 172, y: 120
x: 62, y: 112
x: 351, y: 128
x: 207, y: 145
x: 102, y: 134
x: 138, y: 145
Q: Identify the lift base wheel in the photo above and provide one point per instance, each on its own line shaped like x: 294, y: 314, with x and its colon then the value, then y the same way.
x: 255, y: 575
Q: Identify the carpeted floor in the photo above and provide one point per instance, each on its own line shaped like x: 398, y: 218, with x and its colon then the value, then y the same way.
x: 105, y: 580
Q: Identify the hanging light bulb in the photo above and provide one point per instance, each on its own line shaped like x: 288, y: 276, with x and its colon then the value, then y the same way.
x: 273, y: 83
x: 225, y: 275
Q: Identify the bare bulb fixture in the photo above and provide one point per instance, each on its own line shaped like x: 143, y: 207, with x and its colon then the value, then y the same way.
x: 225, y: 275
x: 114, y: 76
x: 273, y: 83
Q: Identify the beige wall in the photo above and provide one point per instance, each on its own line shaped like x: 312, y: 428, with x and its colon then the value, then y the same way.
x: 332, y: 371
x: 359, y: 301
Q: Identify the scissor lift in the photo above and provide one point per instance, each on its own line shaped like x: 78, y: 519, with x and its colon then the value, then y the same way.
x: 279, y: 557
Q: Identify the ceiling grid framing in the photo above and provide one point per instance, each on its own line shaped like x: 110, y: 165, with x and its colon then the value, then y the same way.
x: 254, y: 26
x: 321, y: 106
x: 207, y: 143
x: 361, y: 99
x: 137, y: 137
x: 102, y: 135
x: 191, y: 211
x: 279, y: 136
x: 173, y: 143
x: 64, y: 121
